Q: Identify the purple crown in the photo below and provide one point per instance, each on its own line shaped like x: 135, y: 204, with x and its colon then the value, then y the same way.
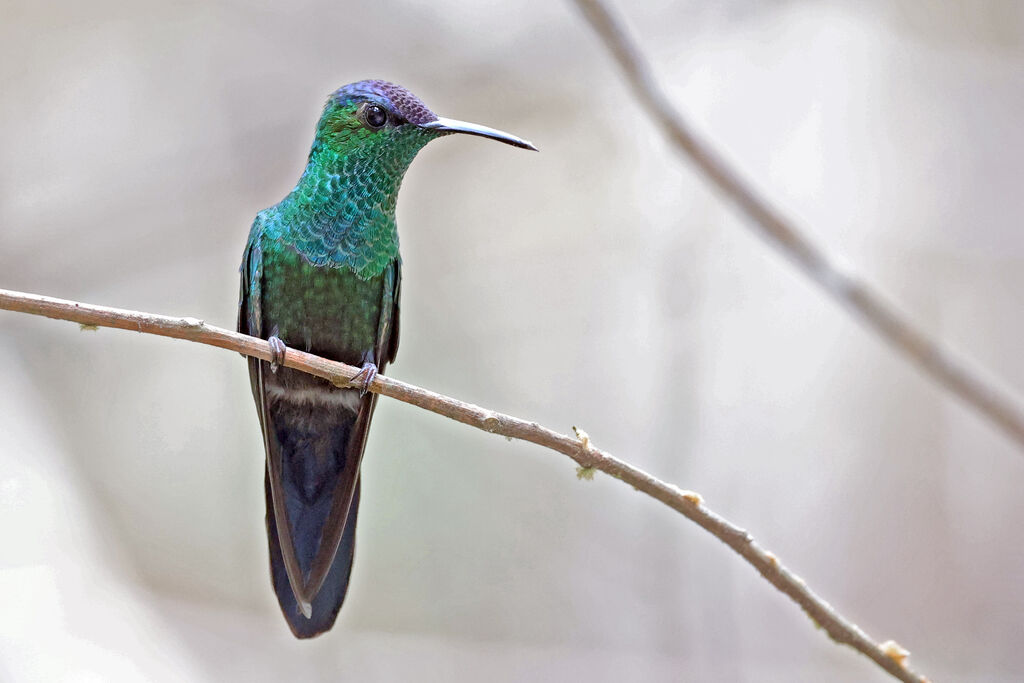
x: 408, y: 105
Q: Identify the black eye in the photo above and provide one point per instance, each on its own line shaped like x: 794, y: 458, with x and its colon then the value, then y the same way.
x: 375, y: 115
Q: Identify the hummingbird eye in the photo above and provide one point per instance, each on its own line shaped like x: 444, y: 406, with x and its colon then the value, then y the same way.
x: 375, y: 115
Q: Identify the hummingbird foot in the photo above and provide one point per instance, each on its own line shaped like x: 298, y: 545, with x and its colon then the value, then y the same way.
x: 277, y: 350
x: 364, y: 378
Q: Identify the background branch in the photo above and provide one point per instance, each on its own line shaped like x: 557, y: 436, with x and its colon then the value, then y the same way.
x: 889, y: 656
x: 879, y: 316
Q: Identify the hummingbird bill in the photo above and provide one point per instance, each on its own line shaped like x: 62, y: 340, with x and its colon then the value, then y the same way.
x: 321, y: 272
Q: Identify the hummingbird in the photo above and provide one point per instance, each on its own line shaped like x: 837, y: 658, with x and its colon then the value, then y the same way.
x: 321, y: 272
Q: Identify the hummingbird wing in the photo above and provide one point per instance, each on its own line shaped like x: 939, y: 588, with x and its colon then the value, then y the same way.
x: 250, y: 297
x: 392, y: 335
x: 250, y: 321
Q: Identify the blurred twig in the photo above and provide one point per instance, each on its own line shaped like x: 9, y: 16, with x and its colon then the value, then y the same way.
x: 579, y: 448
x: 881, y: 317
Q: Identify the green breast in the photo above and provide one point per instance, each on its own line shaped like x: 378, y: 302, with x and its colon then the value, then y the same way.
x: 326, y: 310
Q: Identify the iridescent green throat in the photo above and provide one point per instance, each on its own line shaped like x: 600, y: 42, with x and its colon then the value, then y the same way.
x: 342, y: 211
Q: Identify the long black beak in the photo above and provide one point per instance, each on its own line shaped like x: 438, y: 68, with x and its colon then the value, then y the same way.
x: 453, y: 126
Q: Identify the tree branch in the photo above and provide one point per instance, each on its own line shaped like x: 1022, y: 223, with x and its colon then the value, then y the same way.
x: 888, y: 655
x: 886, y: 321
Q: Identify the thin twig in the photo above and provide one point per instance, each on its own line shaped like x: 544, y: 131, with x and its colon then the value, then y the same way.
x: 884, y: 319
x: 579, y: 448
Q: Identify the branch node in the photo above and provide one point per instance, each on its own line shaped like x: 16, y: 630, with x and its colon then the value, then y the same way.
x: 490, y: 423
x: 584, y: 439
x: 194, y: 323
x: 692, y: 497
x: 895, y: 652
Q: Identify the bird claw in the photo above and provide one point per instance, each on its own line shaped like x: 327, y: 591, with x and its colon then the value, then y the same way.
x: 277, y: 351
x: 364, y: 378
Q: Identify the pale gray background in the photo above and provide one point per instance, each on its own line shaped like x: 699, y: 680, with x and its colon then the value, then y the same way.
x: 598, y: 283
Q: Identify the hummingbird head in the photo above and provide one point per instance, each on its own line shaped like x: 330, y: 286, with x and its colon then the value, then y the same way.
x: 366, y: 139
x: 366, y: 115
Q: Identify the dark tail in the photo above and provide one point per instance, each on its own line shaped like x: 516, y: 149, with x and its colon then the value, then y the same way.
x: 313, y: 445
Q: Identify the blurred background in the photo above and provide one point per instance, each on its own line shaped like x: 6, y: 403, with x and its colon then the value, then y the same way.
x: 598, y: 283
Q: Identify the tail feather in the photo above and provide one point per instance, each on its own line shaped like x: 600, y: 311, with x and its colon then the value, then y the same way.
x: 328, y: 601
x: 312, y: 446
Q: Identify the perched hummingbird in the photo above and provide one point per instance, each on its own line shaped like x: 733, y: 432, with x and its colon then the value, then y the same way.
x: 321, y: 272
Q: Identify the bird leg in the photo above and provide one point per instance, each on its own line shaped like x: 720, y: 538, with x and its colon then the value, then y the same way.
x: 364, y: 378
x: 277, y: 350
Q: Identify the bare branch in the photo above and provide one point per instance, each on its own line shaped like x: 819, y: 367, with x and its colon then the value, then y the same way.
x: 884, y: 319
x: 579, y: 448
